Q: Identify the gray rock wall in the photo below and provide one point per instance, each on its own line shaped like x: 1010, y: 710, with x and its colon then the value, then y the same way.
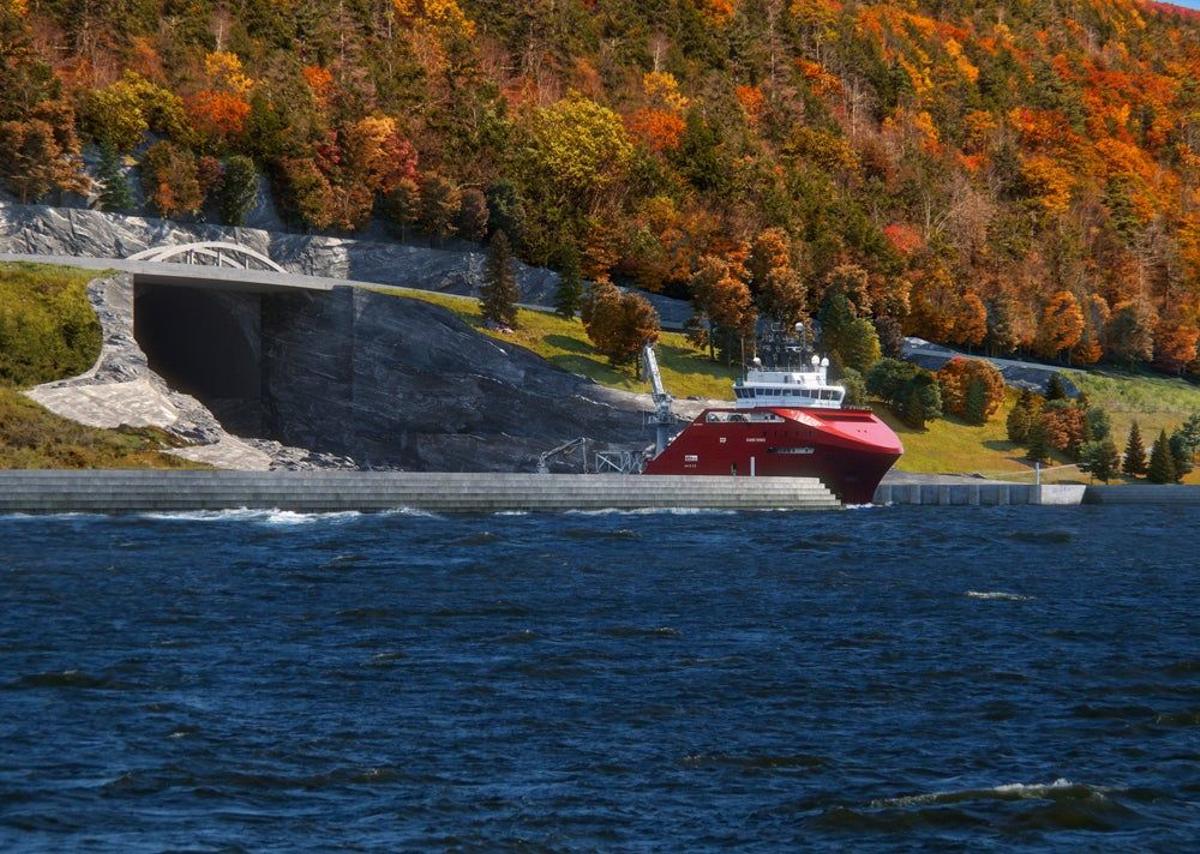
x: 395, y: 382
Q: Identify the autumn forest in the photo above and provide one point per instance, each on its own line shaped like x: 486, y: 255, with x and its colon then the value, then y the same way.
x: 1016, y: 177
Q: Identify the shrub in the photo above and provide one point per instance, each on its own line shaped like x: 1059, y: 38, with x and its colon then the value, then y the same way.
x: 48, y: 330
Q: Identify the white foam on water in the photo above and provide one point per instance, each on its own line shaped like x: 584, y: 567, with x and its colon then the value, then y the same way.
x: 266, y: 517
x: 511, y: 513
x: 410, y: 511
x: 1005, y: 791
x: 999, y: 595
x: 652, y: 511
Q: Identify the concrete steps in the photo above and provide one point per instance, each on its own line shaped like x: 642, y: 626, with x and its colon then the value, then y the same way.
x: 134, y: 491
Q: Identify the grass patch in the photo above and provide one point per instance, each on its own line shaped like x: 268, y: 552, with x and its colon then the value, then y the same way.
x: 686, y: 371
x: 33, y: 438
x: 1155, y: 402
x: 951, y: 446
x: 48, y: 329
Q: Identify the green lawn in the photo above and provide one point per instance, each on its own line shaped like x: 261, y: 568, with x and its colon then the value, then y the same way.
x: 1155, y: 402
x: 951, y: 446
x: 48, y: 331
x: 686, y: 372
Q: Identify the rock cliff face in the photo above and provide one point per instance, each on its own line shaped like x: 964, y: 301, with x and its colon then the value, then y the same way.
x: 39, y: 229
x: 400, y: 383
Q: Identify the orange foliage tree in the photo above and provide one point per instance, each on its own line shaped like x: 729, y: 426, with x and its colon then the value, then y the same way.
x: 956, y: 379
x: 1061, y: 326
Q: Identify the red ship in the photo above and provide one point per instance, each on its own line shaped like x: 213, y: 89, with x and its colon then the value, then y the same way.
x: 786, y: 422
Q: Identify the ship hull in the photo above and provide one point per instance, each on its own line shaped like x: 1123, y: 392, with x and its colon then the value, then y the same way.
x: 849, y: 450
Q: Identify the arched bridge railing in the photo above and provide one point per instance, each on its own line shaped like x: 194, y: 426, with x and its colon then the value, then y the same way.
x: 215, y: 253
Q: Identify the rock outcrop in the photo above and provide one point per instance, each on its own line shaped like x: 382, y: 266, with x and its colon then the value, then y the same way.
x: 40, y: 229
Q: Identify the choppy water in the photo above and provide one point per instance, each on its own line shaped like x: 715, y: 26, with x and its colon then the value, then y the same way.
x: 875, y: 678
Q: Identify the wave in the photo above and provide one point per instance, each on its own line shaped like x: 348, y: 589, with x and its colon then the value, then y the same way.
x: 276, y: 516
x: 652, y: 511
x: 1060, y: 789
x: 998, y: 595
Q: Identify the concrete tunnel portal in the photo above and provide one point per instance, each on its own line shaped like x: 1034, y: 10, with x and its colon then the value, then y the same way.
x: 208, y: 344
x: 202, y: 329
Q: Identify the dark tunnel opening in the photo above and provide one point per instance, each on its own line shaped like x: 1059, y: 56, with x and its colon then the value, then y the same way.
x: 207, y: 344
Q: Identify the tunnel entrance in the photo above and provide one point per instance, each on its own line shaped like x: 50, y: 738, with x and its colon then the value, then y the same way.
x: 207, y: 344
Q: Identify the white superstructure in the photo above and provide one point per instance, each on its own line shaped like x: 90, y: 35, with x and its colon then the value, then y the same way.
x: 792, y: 388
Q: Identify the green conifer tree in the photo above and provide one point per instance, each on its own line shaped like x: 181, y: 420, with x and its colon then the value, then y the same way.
x: 499, y: 294
x: 976, y: 402
x: 238, y: 189
x: 1039, y: 448
x: 1100, y: 459
x: 569, y: 297
x: 1181, y: 455
x: 1162, y: 466
x: 1099, y: 425
x: 115, y: 194
x: 1135, y: 453
x: 1055, y: 389
x: 1021, y: 418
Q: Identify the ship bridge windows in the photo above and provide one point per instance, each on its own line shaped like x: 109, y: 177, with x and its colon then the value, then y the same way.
x: 756, y: 417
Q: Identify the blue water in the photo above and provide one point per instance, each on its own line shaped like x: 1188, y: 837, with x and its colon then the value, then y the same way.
x: 870, y: 679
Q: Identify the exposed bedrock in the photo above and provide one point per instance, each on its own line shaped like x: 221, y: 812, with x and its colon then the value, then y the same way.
x: 40, y: 229
x: 400, y: 383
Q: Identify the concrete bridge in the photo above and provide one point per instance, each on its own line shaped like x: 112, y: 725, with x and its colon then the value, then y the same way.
x: 154, y: 269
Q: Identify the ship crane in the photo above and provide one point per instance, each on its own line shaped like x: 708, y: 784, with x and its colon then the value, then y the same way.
x: 662, y: 419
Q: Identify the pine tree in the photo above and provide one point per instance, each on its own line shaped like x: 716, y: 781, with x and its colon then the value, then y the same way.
x: 499, y: 294
x: 1162, y: 466
x: 1135, y: 453
x: 1098, y: 423
x: 1020, y: 419
x: 976, y: 403
x: 1110, y: 461
x: 1039, y: 446
x: 238, y: 189
x: 1054, y: 388
x: 1181, y: 455
x: 570, y: 286
x: 1100, y: 459
x: 115, y: 194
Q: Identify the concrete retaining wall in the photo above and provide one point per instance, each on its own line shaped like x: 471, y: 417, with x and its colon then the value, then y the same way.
x: 328, y: 491
x: 1143, y: 493
x: 988, y: 493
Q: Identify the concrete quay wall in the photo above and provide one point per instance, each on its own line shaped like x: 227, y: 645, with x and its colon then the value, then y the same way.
x: 1143, y: 493
x: 331, y: 491
x: 982, y: 493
